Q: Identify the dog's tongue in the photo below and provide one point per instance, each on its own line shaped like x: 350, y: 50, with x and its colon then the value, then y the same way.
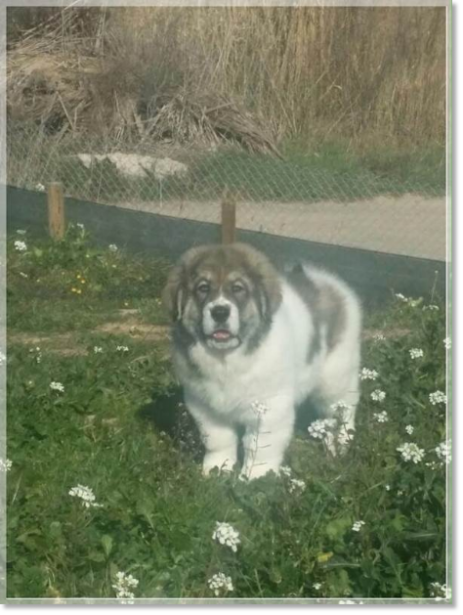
x: 221, y: 335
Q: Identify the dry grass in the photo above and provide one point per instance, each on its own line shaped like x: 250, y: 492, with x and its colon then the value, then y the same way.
x: 186, y: 73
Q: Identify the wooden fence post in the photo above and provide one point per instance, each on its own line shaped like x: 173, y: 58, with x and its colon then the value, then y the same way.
x: 56, y: 217
x: 228, y: 218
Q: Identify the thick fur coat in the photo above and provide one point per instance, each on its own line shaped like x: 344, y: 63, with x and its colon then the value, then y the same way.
x: 250, y: 345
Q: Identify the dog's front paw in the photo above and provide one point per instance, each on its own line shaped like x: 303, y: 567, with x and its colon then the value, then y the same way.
x: 217, y: 461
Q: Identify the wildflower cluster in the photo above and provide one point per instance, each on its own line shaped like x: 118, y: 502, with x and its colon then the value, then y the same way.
x: 437, y: 398
x: 448, y: 343
x: 20, y: 246
x: 411, y: 452
x: 321, y: 428
x: 378, y: 395
x: 440, y: 591
x: 416, y: 353
x: 57, y: 386
x: 409, y: 429
x: 124, y: 584
x: 219, y: 582
x: 381, y: 417
x: 226, y: 535
x: 86, y: 495
x: 5, y: 465
x: 122, y: 349
x: 368, y: 374
x: 296, y: 485
x: 444, y: 451
x: 358, y: 526
x: 38, y: 353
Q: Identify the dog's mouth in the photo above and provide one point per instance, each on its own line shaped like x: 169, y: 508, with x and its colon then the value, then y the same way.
x: 222, y: 335
x: 223, y: 339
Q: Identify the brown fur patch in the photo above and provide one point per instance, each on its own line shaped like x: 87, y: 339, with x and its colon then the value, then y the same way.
x: 326, y: 306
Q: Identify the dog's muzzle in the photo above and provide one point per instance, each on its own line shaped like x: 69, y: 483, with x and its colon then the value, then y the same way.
x: 220, y: 324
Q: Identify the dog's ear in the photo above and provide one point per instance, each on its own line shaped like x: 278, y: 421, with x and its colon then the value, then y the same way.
x: 265, y: 276
x: 174, y: 293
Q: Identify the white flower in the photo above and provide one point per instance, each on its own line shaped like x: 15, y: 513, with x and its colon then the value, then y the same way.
x: 368, y: 374
x: 80, y: 226
x: 416, y: 353
x: 381, y: 417
x: 317, y: 586
x: 408, y: 300
x: 358, y: 526
x: 57, y: 386
x: 225, y: 534
x: 5, y: 466
x: 296, y: 485
x: 23, y: 275
x: 2, y: 358
x: 437, y: 398
x: 430, y: 307
x: 21, y: 232
x: 339, y: 405
x: 448, y: 343
x: 321, y: 428
x: 444, y: 451
x: 86, y: 495
x: 113, y: 247
x: 409, y: 429
x: 258, y: 407
x: 440, y: 591
x: 387, y: 487
x: 378, y: 395
x: 40, y: 187
x: 38, y: 353
x: 220, y: 582
x: 411, y: 452
x: 20, y: 246
x: 124, y: 583
x: 379, y: 337
x: 286, y: 471
x: 434, y: 465
x: 97, y: 349
x: 122, y: 349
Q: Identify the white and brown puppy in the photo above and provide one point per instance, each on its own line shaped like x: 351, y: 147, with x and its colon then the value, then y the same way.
x: 250, y: 345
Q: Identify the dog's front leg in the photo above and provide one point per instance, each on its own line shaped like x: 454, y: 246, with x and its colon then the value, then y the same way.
x: 267, y: 437
x: 220, y: 440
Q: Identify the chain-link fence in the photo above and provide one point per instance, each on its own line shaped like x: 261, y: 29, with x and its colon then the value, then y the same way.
x: 296, y: 198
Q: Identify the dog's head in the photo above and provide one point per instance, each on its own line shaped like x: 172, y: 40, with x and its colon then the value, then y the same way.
x: 223, y: 296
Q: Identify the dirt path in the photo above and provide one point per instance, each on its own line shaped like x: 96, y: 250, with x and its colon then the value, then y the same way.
x: 410, y: 224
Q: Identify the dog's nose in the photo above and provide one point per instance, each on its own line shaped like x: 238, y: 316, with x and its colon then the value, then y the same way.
x: 220, y: 313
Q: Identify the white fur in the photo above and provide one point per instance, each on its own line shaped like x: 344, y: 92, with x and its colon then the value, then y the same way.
x: 276, y: 375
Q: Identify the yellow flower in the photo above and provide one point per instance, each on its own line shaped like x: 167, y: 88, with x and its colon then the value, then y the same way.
x: 79, y: 292
x: 78, y: 276
x: 82, y: 281
x: 73, y: 290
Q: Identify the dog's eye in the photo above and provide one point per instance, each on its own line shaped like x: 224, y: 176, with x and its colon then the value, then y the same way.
x: 203, y: 288
x: 237, y: 288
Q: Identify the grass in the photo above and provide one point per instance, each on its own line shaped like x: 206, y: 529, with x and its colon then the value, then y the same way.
x: 119, y: 428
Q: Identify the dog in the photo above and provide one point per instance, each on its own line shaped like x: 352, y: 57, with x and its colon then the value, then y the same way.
x: 250, y: 345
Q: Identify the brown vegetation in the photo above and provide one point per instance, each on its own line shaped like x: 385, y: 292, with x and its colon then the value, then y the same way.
x: 250, y: 75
